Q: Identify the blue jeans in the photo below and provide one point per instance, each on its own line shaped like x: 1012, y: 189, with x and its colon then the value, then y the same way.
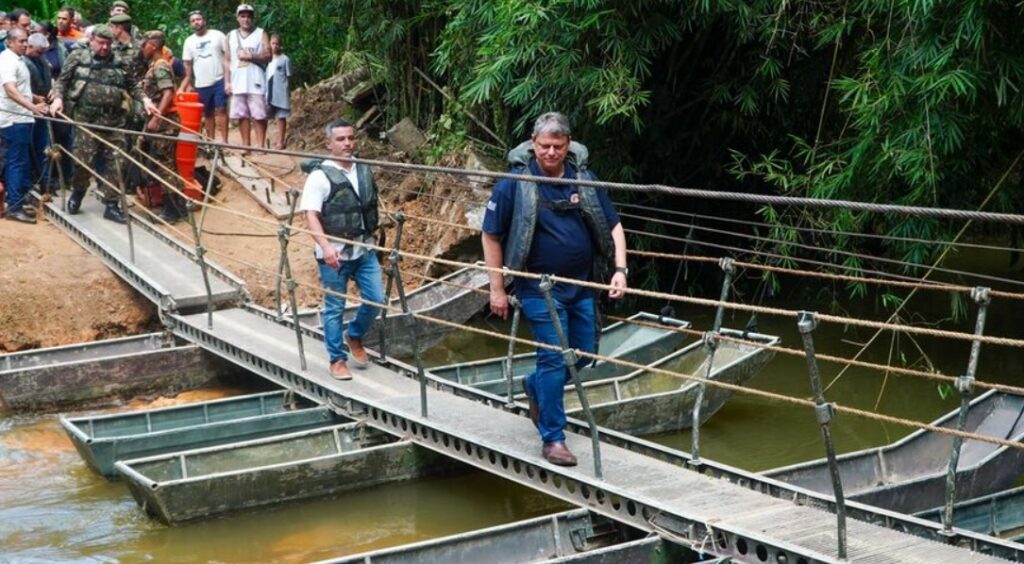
x: 18, y: 178
x: 366, y: 272
x: 547, y: 383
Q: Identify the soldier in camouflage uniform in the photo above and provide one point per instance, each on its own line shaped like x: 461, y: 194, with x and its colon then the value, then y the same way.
x: 97, y: 90
x: 128, y: 50
x: 158, y: 84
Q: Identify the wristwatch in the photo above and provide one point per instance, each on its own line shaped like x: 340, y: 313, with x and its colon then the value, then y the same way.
x: 622, y: 269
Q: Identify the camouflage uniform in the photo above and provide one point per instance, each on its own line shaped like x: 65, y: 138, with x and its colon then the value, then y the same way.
x: 160, y: 77
x: 97, y: 91
x: 130, y: 55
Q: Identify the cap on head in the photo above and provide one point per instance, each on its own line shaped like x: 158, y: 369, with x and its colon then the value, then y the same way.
x: 244, y: 8
x: 120, y: 4
x: 102, y: 31
x: 120, y: 19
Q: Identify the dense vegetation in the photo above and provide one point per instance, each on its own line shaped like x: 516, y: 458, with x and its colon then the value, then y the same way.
x: 908, y: 101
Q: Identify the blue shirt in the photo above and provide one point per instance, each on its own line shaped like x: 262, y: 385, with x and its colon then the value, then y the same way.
x: 561, y: 245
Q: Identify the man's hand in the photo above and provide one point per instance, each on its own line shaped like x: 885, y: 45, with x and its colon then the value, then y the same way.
x: 152, y: 124
x: 57, y: 106
x: 227, y: 88
x: 40, y: 108
x: 332, y: 257
x: 150, y: 108
x: 618, y: 283
x: 499, y: 302
x: 185, y: 87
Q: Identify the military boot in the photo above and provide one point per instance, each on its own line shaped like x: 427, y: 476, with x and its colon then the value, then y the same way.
x: 114, y: 213
x: 75, y: 201
x: 174, y: 208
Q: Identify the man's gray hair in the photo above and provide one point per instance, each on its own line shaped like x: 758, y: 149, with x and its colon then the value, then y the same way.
x: 15, y: 33
x: 552, y: 123
x: 340, y: 122
x: 39, y: 41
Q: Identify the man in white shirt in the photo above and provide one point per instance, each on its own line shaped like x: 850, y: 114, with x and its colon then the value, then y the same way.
x: 203, y: 55
x: 16, y: 122
x: 340, y: 201
x: 245, y: 80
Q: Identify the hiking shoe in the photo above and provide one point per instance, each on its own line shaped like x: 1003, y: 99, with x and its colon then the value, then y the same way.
x: 113, y: 213
x: 357, y: 353
x: 558, y: 454
x: 75, y: 201
x: 340, y: 371
x: 21, y: 216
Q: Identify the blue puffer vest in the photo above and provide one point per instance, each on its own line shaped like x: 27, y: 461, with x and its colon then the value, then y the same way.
x: 517, y: 243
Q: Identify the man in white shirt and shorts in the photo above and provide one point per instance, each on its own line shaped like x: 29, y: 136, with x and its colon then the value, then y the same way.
x: 245, y: 80
x: 203, y: 55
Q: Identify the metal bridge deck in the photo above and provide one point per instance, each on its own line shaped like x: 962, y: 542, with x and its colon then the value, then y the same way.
x: 165, y: 271
x: 712, y: 515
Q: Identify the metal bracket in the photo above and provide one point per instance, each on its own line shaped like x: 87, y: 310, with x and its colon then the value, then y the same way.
x: 965, y: 384
x: 806, y: 321
x: 711, y: 339
x: 824, y: 413
x: 727, y: 264
x: 981, y: 295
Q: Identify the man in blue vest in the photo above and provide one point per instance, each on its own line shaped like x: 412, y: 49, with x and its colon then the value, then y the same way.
x: 567, y: 230
x: 340, y: 200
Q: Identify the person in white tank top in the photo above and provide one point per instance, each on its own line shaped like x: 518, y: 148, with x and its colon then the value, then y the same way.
x: 245, y: 81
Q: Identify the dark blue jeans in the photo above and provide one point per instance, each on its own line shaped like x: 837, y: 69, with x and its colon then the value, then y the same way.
x: 546, y: 385
x: 18, y: 142
x: 366, y: 272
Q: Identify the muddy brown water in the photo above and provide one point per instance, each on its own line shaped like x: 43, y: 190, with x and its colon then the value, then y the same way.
x: 53, y: 508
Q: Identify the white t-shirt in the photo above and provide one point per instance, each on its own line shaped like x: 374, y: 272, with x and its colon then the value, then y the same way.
x: 247, y: 77
x: 207, y: 55
x: 13, y: 69
x: 315, y: 193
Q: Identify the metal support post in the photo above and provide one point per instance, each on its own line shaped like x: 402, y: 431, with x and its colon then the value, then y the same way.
x: 124, y: 209
x: 209, y: 186
x: 200, y: 252
x: 964, y: 384
x: 283, y: 235
x: 410, y: 323
x: 57, y: 156
x: 569, y: 355
x: 283, y: 239
x: 513, y: 303
x: 806, y: 323
x: 711, y: 346
x: 399, y: 218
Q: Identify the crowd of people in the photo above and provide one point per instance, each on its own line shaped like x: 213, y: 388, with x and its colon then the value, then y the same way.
x: 111, y: 74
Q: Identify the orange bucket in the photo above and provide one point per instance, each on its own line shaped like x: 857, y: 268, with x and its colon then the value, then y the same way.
x: 190, y: 114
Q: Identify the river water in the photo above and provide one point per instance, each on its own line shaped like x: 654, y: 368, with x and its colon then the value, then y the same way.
x: 53, y: 508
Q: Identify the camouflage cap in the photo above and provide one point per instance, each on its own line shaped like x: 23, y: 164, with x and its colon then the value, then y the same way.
x: 120, y: 19
x: 119, y: 4
x: 102, y: 30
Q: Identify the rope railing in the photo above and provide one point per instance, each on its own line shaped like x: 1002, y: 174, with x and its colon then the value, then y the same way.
x: 915, y: 211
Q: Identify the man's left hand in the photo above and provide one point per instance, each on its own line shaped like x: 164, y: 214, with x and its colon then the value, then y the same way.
x: 618, y: 283
x: 150, y: 108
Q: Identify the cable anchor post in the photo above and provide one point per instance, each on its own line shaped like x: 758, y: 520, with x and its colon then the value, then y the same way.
x: 711, y: 341
x: 393, y: 258
x: 965, y: 386
x: 123, y: 197
x: 569, y: 355
x: 807, y: 322
x: 282, y: 237
x: 513, y: 303
x: 201, y: 257
x: 410, y: 321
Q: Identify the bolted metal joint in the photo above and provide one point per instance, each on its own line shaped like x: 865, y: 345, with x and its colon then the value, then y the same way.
x: 545, y: 283
x: 282, y: 233
x: 394, y: 257
x: 981, y: 295
x: 292, y: 285
x: 806, y: 321
x: 727, y: 264
x: 513, y: 301
x: 965, y: 383
x: 200, y: 251
x: 824, y: 413
x: 569, y: 355
x: 399, y: 217
x: 711, y: 339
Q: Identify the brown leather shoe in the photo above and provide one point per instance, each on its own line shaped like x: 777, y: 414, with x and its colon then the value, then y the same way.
x: 558, y: 454
x: 357, y: 354
x: 340, y: 371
